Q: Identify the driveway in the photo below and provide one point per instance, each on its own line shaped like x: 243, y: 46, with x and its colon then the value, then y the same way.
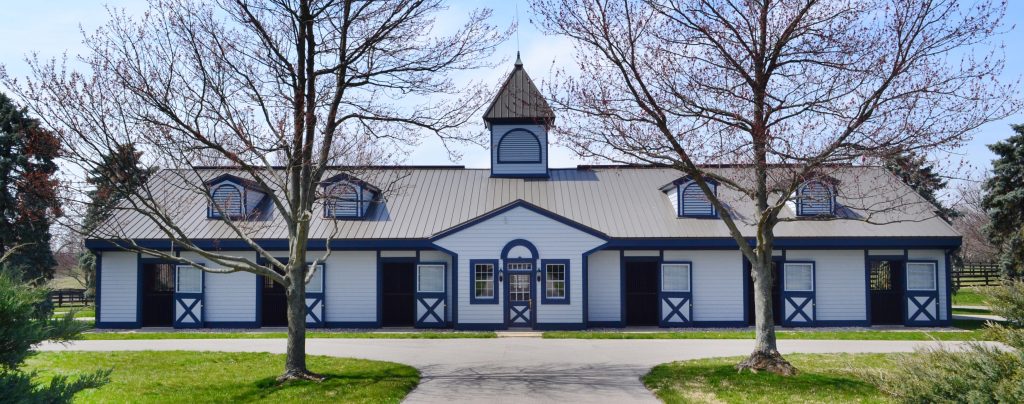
x: 514, y: 370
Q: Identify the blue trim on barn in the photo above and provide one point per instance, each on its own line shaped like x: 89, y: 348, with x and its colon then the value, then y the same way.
x: 949, y: 289
x: 721, y: 324
x: 472, y: 282
x: 666, y: 297
x: 805, y: 314
x: 350, y: 324
x: 431, y: 318
x: 931, y: 297
x: 232, y: 324
x: 681, y: 205
x: 99, y: 283
x: 842, y: 323
x: 480, y: 326
x: 455, y: 282
x: 544, y: 299
x: 606, y: 324
x: 519, y: 243
x: 516, y: 204
x: 586, y: 275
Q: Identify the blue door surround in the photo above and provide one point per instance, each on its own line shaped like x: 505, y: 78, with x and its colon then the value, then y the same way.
x: 430, y: 306
x: 675, y: 308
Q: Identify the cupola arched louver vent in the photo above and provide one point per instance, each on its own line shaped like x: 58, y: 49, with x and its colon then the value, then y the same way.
x: 519, y: 146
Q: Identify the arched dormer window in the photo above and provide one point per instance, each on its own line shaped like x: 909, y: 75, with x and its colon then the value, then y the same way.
x: 227, y: 201
x: 519, y: 146
x: 815, y: 198
x: 344, y: 200
x: 693, y: 202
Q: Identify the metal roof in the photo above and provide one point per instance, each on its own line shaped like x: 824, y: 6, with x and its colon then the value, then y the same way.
x: 519, y: 99
x: 620, y: 202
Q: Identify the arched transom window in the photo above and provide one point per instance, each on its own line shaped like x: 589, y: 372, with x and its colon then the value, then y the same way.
x: 815, y: 198
x: 344, y: 200
x: 693, y: 202
x: 227, y: 201
x: 519, y: 146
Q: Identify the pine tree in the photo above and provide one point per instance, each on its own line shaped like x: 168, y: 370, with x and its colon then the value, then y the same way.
x: 28, y: 192
x: 919, y: 174
x: 1004, y: 201
x: 119, y: 174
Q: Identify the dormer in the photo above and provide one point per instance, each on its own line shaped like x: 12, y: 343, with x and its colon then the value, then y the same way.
x: 519, y: 119
x: 815, y: 198
x: 347, y: 197
x: 233, y: 197
x: 689, y: 200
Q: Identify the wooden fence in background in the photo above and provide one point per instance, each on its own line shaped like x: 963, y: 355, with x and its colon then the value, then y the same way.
x: 976, y: 274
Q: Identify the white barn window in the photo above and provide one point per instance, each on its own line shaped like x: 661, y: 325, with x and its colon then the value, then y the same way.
x: 815, y: 198
x: 227, y: 201
x: 675, y: 277
x: 554, y: 275
x: 799, y: 277
x: 430, y: 278
x: 483, y: 280
x: 921, y: 276
x: 316, y: 283
x: 189, y: 280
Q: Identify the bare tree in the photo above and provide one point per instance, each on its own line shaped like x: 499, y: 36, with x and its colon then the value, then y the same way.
x: 791, y: 90
x: 283, y: 92
x: 971, y: 221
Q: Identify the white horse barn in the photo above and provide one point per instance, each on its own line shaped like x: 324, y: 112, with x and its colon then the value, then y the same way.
x: 521, y: 244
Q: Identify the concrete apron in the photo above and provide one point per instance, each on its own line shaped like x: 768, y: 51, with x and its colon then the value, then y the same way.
x: 514, y: 370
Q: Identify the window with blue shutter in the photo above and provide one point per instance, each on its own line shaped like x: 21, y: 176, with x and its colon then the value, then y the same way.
x: 693, y: 202
x: 815, y: 198
x: 519, y: 146
x: 227, y: 200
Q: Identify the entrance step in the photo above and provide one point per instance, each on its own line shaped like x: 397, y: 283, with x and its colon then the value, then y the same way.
x: 519, y: 334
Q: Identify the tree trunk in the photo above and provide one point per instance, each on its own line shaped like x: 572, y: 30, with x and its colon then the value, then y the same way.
x: 295, y: 361
x: 766, y: 354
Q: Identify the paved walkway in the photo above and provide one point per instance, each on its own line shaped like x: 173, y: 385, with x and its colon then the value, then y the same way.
x: 513, y: 369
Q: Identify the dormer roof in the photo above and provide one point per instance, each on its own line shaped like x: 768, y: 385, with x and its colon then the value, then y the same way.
x: 519, y: 100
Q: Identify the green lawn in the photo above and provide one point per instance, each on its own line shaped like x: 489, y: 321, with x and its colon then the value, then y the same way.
x: 970, y: 296
x: 194, y: 377
x: 79, y: 312
x: 264, y: 335
x: 831, y: 378
x: 968, y: 330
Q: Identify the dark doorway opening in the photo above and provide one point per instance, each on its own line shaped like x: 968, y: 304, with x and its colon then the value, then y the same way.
x: 398, y: 287
x: 157, y: 295
x: 273, y: 303
x: 641, y: 292
x: 887, y: 287
x: 776, y: 296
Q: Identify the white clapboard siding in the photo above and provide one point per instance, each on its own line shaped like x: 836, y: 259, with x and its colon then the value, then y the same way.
x: 717, y: 283
x: 499, y: 131
x: 230, y: 297
x: 350, y: 289
x: 553, y: 239
x: 604, y: 287
x: 940, y: 257
x: 118, y: 286
x: 437, y: 256
x: 839, y: 283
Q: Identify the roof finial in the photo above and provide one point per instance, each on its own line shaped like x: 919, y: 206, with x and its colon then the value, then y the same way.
x: 519, y: 61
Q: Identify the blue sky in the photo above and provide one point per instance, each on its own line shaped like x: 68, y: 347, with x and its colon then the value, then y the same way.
x: 24, y: 33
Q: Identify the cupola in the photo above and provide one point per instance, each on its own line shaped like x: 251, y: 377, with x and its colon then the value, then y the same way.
x: 519, y: 119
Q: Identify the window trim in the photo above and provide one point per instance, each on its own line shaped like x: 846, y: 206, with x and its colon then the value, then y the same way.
x: 473, y: 299
x: 831, y: 199
x: 935, y: 268
x: 544, y: 299
x: 540, y: 148
x: 814, y: 275
x: 681, y: 211
x: 211, y: 210
x: 323, y: 277
x: 362, y: 205
x: 689, y: 274
x: 444, y: 276
x: 202, y: 280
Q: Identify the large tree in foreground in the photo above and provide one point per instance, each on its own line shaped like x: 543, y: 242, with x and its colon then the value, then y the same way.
x: 792, y: 90
x: 282, y: 91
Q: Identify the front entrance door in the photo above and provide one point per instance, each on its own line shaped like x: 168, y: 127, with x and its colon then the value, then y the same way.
x: 642, y: 293
x: 398, y: 289
x: 887, y: 278
x: 798, y: 299
x: 157, y: 295
x: 274, y: 304
x: 520, y: 299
